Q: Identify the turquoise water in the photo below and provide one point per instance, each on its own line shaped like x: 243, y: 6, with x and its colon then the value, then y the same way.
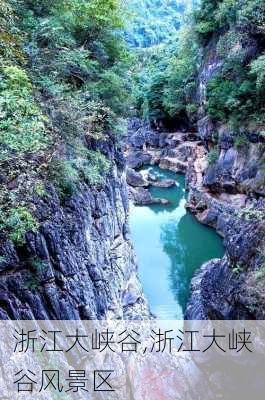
x: 170, y: 245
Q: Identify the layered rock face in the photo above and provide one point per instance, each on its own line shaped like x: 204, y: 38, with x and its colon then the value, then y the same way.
x: 80, y: 264
x: 228, y: 194
x: 231, y: 288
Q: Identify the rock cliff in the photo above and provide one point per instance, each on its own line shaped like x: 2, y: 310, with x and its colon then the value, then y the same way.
x: 226, y: 191
x: 80, y: 263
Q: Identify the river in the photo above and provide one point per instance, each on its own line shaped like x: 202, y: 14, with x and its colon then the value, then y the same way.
x: 170, y: 245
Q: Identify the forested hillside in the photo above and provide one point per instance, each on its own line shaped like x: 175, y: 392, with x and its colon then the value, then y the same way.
x: 165, y: 83
x: 71, y: 73
x: 235, y: 95
x: 63, y: 83
x: 154, y: 37
x: 153, y: 21
x: 64, y: 94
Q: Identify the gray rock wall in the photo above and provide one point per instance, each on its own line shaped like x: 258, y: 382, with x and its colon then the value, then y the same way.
x: 228, y: 195
x: 80, y: 264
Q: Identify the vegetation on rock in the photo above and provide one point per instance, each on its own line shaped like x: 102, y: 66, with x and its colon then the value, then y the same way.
x: 68, y: 80
x: 64, y: 86
x: 235, y: 94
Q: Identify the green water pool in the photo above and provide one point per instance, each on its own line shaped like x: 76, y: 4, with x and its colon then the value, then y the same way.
x: 170, y: 245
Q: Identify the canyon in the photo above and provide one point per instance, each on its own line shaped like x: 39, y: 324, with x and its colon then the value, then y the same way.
x: 219, y: 290
x: 70, y: 167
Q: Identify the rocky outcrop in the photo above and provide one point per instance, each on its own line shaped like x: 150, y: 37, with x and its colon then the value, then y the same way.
x: 231, y: 288
x: 238, y: 169
x: 140, y: 134
x: 164, y: 183
x: 173, y: 164
x: 227, y: 193
x: 142, y: 197
x: 135, y: 179
x: 171, y: 151
x: 223, y: 289
x: 80, y: 264
x: 138, y: 159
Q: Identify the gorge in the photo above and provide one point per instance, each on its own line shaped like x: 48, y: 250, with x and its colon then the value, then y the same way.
x: 169, y: 243
x: 192, y: 161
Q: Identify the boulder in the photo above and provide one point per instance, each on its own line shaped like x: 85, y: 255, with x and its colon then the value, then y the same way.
x: 152, y: 138
x: 152, y: 177
x: 162, y: 140
x: 138, y: 159
x: 173, y: 164
x: 135, y: 179
x: 164, y: 183
x: 205, y: 128
x: 142, y: 197
x: 141, y: 134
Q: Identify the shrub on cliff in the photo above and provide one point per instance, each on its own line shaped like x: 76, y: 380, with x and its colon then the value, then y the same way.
x: 226, y: 97
x: 258, y: 70
x: 236, y: 94
x: 63, y: 81
x: 213, y: 156
x: 16, y: 222
x: 85, y: 165
x: 21, y: 120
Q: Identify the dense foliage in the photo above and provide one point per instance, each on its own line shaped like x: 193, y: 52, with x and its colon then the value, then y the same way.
x: 166, y: 88
x: 64, y: 83
x: 153, y: 21
x: 165, y: 78
x: 236, y: 93
x: 66, y: 80
x: 21, y: 121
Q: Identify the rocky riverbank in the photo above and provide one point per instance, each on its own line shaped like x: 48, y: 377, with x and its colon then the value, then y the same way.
x: 220, y: 196
x: 226, y: 186
x: 170, y: 151
x: 230, y: 288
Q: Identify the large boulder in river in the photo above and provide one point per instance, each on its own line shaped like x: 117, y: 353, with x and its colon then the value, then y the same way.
x: 152, y: 177
x: 164, y: 183
x: 138, y: 159
x: 142, y: 197
x: 135, y: 179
